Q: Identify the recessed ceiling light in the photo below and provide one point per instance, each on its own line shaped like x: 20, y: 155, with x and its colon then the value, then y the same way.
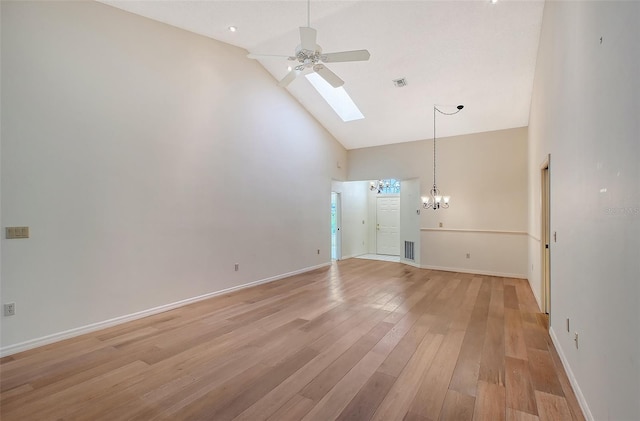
x: 289, y: 68
x: 233, y: 28
x: 494, y: 1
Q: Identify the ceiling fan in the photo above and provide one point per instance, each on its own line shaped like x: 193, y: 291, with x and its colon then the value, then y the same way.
x: 309, y: 55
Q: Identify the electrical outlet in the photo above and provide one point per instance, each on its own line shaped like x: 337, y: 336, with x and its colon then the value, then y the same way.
x: 10, y: 309
x: 468, y: 255
x: 16, y: 232
x: 318, y: 251
x: 440, y: 224
x: 237, y: 267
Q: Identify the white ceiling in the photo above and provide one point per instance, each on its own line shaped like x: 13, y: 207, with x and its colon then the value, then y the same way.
x: 474, y: 53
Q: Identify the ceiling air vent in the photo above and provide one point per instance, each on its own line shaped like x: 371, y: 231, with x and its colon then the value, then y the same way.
x: 400, y: 83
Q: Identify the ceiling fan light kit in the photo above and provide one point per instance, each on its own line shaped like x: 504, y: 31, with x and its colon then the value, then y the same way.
x: 435, y: 200
x: 309, y: 56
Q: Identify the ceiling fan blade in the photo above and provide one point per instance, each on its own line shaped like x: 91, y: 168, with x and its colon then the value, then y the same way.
x: 328, y: 75
x: 259, y: 56
x: 290, y: 77
x: 308, y: 38
x: 357, y: 55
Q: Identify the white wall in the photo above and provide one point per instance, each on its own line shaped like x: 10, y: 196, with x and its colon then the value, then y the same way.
x: 584, y: 112
x: 410, y: 219
x: 355, y: 218
x: 147, y: 161
x: 486, y: 176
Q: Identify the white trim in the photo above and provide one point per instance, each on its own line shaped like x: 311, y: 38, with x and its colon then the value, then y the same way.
x: 476, y: 271
x: 351, y: 256
x: 71, y: 333
x: 475, y: 231
x: 410, y: 263
x: 572, y: 379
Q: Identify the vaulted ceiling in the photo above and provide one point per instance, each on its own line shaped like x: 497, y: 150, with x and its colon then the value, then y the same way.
x: 475, y: 53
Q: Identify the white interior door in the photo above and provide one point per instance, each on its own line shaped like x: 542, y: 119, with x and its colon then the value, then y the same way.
x: 388, y: 226
x: 546, y: 238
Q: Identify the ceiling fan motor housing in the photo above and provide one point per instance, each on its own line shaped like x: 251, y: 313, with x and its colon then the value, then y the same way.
x: 307, y: 57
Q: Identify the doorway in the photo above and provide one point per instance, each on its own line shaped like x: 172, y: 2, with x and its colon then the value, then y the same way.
x: 336, y: 240
x: 388, y: 225
x: 545, y: 236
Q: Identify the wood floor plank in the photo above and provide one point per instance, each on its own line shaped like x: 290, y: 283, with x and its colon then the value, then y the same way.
x: 492, y: 362
x: 457, y: 407
x: 336, y: 399
x: 490, y: 402
x: 514, y: 343
x: 535, y: 336
x: 400, y: 355
x: 259, y: 387
x: 397, y: 402
x: 519, y: 390
x: 430, y: 396
x: 543, y: 373
x: 67, y: 401
x: 465, y: 375
x: 365, y: 403
x: 295, y: 409
x: 331, y: 375
x: 356, y: 340
x: 340, y: 395
x: 511, y: 298
x: 292, y: 385
x: 552, y: 407
x: 515, y: 415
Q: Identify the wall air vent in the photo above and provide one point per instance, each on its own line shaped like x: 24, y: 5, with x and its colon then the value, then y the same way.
x: 409, y: 250
x: 400, y: 83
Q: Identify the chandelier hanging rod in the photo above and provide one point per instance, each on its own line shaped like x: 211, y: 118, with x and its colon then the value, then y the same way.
x: 436, y: 200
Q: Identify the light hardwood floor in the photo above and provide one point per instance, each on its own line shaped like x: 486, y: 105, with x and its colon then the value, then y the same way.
x: 357, y: 341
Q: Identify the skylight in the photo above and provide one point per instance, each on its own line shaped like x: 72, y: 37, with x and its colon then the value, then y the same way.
x: 337, y: 98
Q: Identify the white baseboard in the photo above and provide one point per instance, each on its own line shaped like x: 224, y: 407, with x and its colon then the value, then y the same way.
x: 572, y: 379
x: 476, y: 271
x: 71, y: 333
x: 351, y: 256
x: 410, y: 263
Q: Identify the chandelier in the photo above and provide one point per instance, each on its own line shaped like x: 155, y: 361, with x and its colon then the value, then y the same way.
x: 436, y: 200
x: 385, y: 186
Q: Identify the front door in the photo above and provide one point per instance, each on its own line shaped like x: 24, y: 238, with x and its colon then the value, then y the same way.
x: 388, y: 225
